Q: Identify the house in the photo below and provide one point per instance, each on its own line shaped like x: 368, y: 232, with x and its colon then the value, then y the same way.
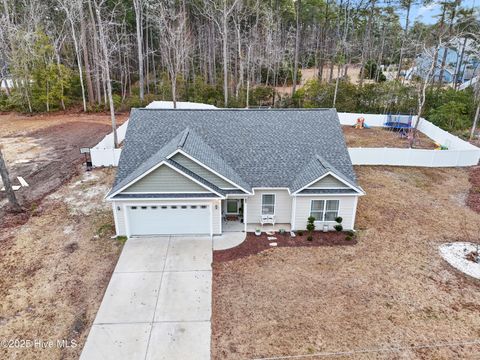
x: 210, y: 171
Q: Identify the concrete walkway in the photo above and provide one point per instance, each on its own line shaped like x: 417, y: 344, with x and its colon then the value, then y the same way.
x: 158, y: 302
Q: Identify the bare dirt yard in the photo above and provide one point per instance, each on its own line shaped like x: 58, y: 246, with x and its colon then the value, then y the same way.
x: 45, y: 149
x: 56, y: 257
x: 54, y: 268
x: 390, y: 290
x: 379, y: 137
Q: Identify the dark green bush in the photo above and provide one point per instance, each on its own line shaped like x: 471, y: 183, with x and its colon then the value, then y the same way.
x: 339, y: 219
x: 309, y: 237
x: 338, y: 227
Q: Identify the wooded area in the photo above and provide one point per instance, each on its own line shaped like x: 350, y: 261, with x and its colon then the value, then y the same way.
x: 112, y: 54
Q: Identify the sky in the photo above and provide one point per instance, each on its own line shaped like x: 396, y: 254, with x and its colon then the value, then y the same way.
x: 427, y: 13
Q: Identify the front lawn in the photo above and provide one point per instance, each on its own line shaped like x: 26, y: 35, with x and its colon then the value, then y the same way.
x: 391, y: 289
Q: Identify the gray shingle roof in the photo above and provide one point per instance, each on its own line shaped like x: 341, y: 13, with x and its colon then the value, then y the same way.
x: 253, y: 148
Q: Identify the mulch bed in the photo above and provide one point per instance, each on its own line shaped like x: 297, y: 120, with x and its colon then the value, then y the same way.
x: 473, y: 199
x: 254, y: 244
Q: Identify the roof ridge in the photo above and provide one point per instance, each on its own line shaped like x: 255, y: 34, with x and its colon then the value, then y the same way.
x: 183, y: 139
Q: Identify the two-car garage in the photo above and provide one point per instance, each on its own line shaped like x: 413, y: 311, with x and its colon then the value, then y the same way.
x: 165, y: 219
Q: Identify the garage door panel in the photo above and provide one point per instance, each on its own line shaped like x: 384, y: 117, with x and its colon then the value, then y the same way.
x: 169, y: 219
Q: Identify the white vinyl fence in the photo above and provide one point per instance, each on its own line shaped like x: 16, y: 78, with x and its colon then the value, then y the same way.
x: 459, y: 153
x: 104, y: 153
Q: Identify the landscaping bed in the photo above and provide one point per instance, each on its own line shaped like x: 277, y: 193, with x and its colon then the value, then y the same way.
x: 379, y: 137
x: 254, y: 244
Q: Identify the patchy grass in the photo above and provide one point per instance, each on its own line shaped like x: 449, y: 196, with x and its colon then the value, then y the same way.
x: 392, y: 289
x: 55, y: 268
x: 378, y: 137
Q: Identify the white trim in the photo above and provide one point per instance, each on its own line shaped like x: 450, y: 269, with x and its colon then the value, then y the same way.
x: 220, y: 215
x: 354, y: 212
x: 294, y: 212
x: 115, y: 217
x: 127, y: 222
x: 324, y: 195
x: 245, y: 215
x: 271, y: 188
x: 164, y: 192
x: 274, y: 203
x: 156, y: 167
x: 211, y: 219
x: 180, y: 151
x: 336, y: 177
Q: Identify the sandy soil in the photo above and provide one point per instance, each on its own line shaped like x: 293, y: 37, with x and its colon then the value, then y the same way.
x: 378, y: 137
x: 45, y: 149
x: 312, y: 73
x: 392, y: 289
x: 55, y: 268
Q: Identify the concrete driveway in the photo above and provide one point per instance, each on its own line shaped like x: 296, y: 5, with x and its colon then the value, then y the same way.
x: 157, y: 304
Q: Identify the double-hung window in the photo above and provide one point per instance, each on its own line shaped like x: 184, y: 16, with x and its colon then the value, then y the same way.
x: 324, y: 210
x: 268, y: 204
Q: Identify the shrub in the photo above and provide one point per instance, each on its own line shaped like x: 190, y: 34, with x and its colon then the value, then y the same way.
x: 310, y: 223
x: 300, y: 232
x: 339, y: 219
x: 351, y: 233
x: 122, y: 239
x: 338, y: 227
x: 309, y: 237
x: 348, y: 238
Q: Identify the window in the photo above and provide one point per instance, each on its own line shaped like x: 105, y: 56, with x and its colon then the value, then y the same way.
x: 164, y: 207
x: 232, y: 207
x: 324, y: 210
x: 133, y: 208
x: 203, y: 206
x: 173, y: 207
x: 154, y: 207
x: 193, y: 207
x: 317, y: 209
x: 268, y: 204
x: 144, y: 207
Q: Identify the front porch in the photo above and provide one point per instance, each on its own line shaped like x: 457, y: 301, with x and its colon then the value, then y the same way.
x: 237, y: 225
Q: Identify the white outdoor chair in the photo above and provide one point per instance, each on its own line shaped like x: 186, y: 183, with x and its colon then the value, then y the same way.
x: 267, y: 219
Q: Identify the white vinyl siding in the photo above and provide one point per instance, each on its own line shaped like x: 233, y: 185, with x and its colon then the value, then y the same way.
x: 165, y: 179
x: 346, y: 209
x: 202, y: 172
x: 283, y: 206
x: 120, y: 219
x: 328, y: 182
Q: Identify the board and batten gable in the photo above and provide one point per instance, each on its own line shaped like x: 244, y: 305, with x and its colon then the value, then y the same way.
x: 283, y: 206
x: 164, y: 180
x: 328, y: 182
x: 201, y: 171
x: 347, y: 208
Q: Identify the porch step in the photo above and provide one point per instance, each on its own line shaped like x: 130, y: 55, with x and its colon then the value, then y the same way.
x: 273, y: 244
x: 270, y: 238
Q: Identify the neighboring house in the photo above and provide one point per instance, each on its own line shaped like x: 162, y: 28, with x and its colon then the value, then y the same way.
x: 189, y: 171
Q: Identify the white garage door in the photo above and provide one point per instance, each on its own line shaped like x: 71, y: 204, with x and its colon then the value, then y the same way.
x: 169, y: 219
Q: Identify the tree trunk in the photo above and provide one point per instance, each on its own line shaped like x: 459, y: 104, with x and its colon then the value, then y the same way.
x: 106, y: 68
x: 475, y: 121
x: 297, y: 47
x: 138, y: 17
x: 225, y: 60
x: 405, y: 34
x: 86, y: 60
x: 12, y: 199
x: 79, y: 61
